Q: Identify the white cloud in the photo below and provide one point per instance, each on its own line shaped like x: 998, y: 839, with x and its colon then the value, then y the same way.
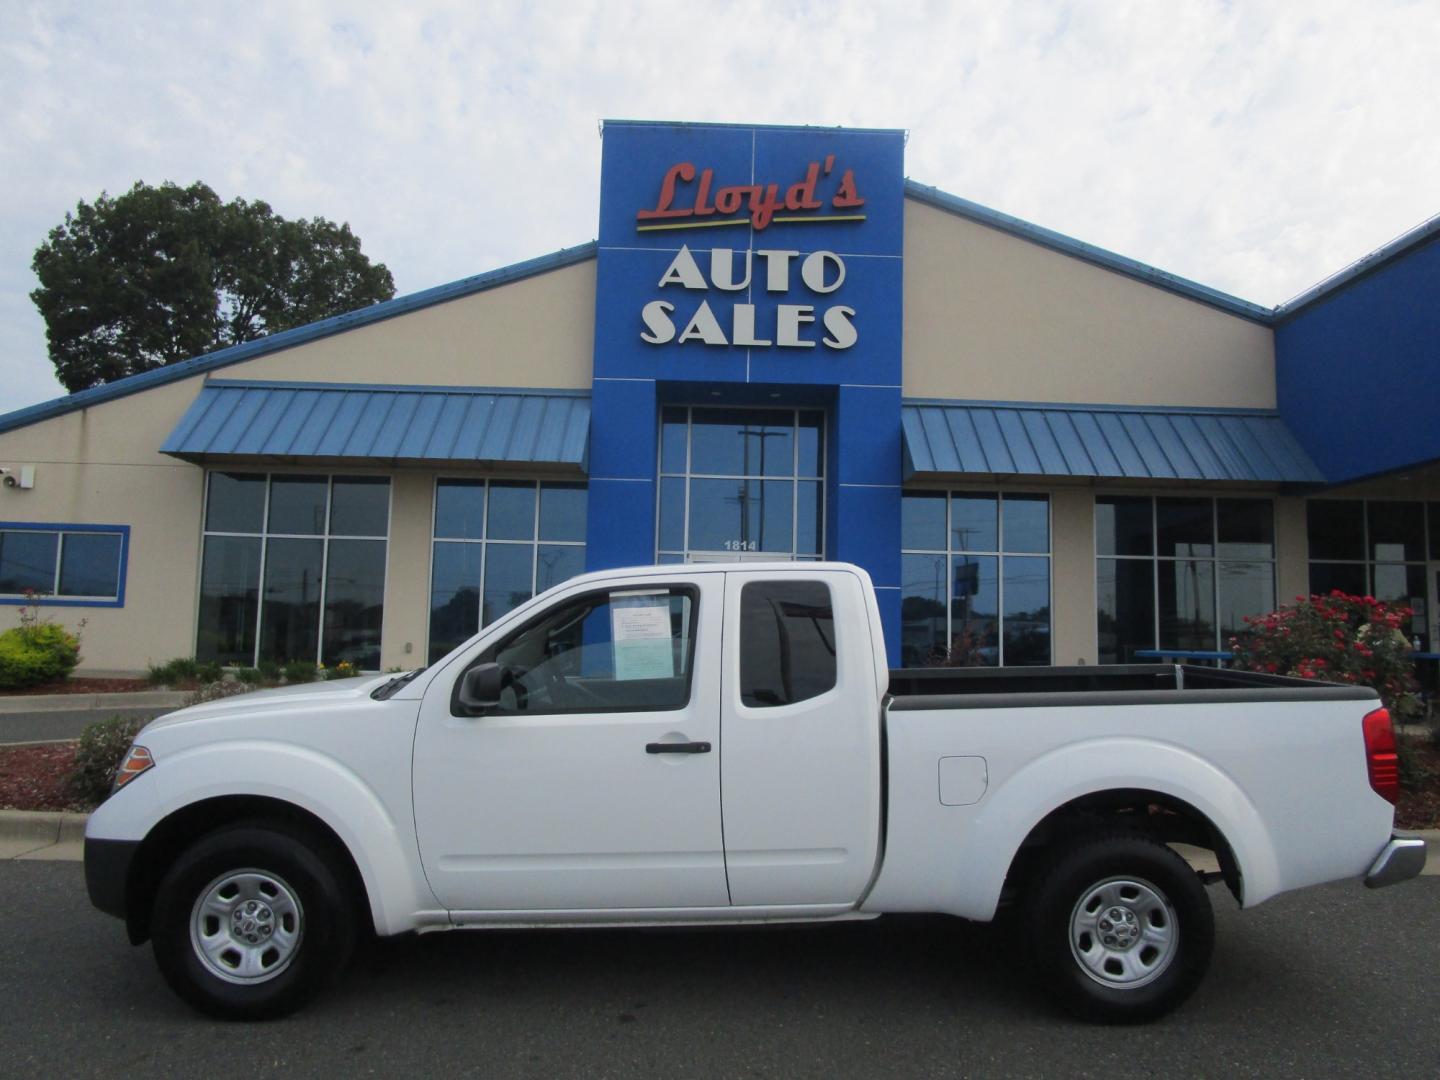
x: 1255, y: 148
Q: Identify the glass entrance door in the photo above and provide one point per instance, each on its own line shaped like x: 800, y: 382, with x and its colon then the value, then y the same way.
x: 740, y: 484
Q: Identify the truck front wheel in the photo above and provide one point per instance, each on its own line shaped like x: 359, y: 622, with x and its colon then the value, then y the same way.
x: 250, y: 921
x: 1120, y: 929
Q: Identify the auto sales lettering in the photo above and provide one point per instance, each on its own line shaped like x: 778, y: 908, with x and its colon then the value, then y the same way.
x: 789, y: 325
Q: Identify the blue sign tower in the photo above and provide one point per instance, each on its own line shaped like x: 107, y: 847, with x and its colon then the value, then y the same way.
x: 748, y: 268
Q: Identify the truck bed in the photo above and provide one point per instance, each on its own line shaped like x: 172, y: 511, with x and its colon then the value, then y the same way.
x: 1118, y: 684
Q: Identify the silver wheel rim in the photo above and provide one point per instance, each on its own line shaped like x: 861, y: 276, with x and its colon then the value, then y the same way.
x: 246, y: 926
x: 1123, y: 932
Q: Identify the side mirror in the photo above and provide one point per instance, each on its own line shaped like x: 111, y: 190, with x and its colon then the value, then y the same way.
x: 480, y: 688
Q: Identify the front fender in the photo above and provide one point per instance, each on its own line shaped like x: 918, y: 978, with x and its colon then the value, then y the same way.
x: 379, y: 834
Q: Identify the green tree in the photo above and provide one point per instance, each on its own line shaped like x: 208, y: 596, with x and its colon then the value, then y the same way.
x: 161, y: 274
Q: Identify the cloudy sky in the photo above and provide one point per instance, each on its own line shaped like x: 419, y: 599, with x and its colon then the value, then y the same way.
x: 1255, y: 147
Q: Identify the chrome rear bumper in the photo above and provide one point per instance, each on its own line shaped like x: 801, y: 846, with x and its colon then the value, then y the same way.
x: 1400, y: 860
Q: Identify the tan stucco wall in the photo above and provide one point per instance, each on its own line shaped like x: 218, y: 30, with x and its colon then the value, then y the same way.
x: 1292, y: 550
x: 100, y: 466
x: 538, y: 331
x: 1072, y: 572
x: 989, y: 316
x: 407, y: 579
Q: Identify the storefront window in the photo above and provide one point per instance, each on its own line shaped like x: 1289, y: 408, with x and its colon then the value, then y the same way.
x: 1180, y: 574
x: 496, y: 544
x: 76, y: 564
x: 1374, y: 547
x: 293, y: 568
x: 975, y: 578
x: 737, y: 481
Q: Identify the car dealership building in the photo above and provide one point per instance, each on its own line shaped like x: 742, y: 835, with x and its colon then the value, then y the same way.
x: 778, y: 348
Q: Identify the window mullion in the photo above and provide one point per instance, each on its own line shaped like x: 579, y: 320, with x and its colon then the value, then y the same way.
x: 689, y: 469
x: 946, y: 578
x: 794, y: 483
x: 535, y: 542
x: 324, y: 571
x: 264, y: 557
x: 1155, y: 570
x: 484, y: 556
x: 1000, y: 579
x: 1215, y: 571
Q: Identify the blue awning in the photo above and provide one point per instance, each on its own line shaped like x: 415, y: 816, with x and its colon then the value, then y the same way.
x: 319, y: 422
x: 1102, y: 442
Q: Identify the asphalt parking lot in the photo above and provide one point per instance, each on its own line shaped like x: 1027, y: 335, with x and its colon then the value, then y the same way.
x: 52, y: 725
x: 1335, y: 981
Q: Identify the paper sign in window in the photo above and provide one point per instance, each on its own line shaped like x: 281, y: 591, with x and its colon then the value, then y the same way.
x: 640, y: 632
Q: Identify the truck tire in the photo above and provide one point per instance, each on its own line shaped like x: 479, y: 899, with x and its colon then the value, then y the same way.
x: 251, y: 920
x: 1119, y: 928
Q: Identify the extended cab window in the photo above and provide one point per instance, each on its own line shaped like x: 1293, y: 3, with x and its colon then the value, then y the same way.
x: 619, y: 650
x: 787, y: 642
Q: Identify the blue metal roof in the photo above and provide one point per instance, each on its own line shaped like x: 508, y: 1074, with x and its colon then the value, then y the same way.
x: 291, y: 421
x: 1101, y: 442
x: 286, y: 339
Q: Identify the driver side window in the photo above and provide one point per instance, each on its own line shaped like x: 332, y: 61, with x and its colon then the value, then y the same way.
x: 612, y: 651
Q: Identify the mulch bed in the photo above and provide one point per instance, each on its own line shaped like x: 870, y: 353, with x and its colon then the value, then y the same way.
x: 1420, y: 808
x: 37, y: 778
x: 85, y: 686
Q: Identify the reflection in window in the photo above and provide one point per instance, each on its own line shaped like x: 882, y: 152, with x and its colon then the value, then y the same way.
x: 975, y: 578
x: 496, y: 544
x: 1180, y: 573
x: 76, y: 563
x: 229, y: 600
x: 740, y: 480
x: 293, y: 568
x: 787, y: 642
x: 1375, y: 547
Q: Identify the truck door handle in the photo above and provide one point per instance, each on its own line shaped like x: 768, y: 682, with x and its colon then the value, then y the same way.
x: 677, y: 748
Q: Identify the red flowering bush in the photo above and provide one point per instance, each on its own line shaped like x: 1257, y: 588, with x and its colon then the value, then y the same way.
x: 1335, y: 638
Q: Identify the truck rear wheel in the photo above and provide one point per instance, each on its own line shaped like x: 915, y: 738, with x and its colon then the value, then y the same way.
x: 251, y: 921
x: 1119, y: 928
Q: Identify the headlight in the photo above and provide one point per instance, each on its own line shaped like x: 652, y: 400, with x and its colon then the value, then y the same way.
x: 136, y: 762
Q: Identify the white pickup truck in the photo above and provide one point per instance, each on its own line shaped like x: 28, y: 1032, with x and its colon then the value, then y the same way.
x: 725, y: 744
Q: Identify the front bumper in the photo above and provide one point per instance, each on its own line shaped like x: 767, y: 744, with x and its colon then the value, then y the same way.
x: 1400, y: 860
x: 107, y: 873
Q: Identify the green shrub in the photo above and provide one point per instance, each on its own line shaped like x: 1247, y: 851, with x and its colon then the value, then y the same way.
x: 182, y: 669
x: 248, y: 675
x: 269, y: 671
x: 103, y: 746
x: 1335, y: 638
x: 37, y: 653
x: 210, y: 671
x: 343, y: 670
x: 214, y: 691
x: 301, y: 671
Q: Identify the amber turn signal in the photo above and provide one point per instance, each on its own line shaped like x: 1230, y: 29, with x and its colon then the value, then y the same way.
x: 135, y: 763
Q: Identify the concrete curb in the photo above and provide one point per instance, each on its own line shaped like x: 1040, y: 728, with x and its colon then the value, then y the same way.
x: 144, y: 699
x: 42, y: 827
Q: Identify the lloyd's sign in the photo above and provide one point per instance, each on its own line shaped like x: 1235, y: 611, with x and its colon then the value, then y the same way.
x: 759, y: 202
x: 757, y: 206
x: 738, y: 254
